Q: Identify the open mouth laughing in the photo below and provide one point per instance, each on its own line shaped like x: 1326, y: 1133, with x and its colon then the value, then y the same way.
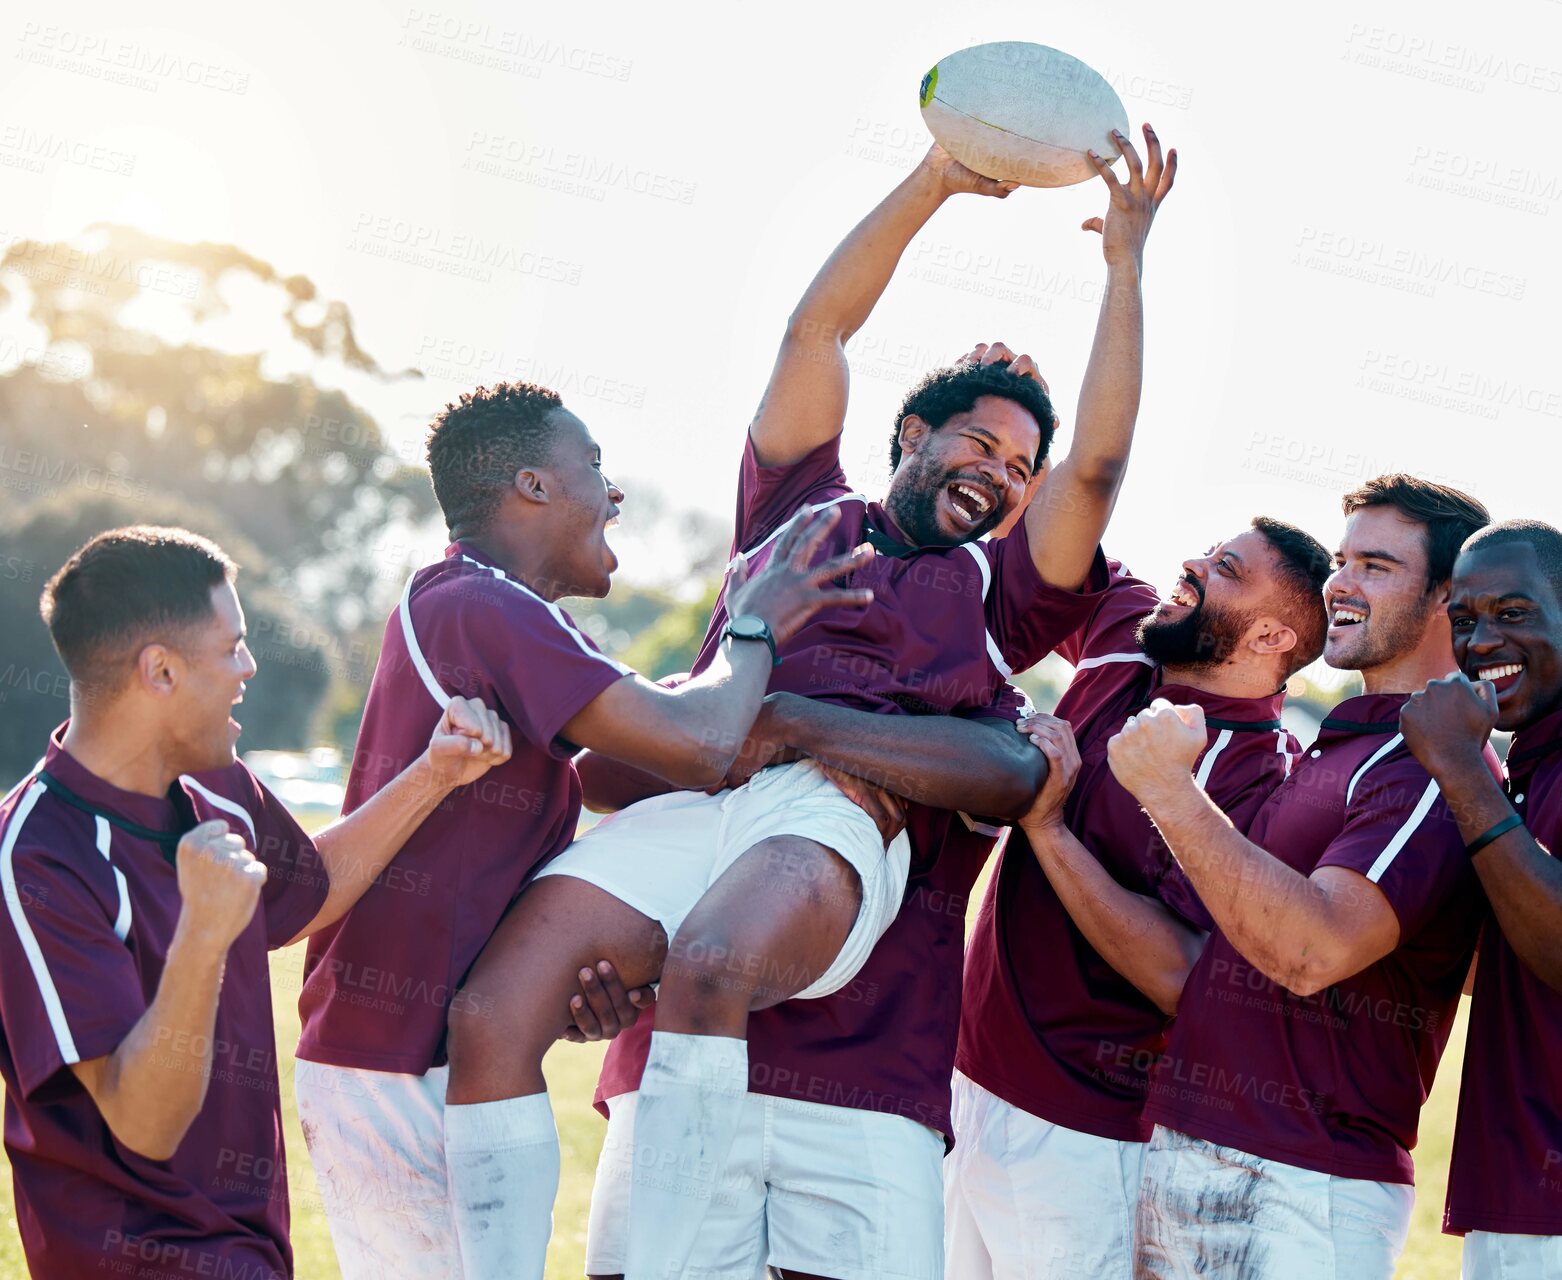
x: 1503, y: 675
x: 971, y: 503
x: 1346, y: 615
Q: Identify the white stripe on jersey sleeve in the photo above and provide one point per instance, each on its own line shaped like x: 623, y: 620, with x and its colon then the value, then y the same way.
x: 1406, y: 830
x: 813, y: 510
x: 414, y: 652
x: 1371, y: 760
x: 585, y: 646
x: 1289, y: 761
x: 24, y: 930
x: 226, y: 805
x: 993, y: 651
x: 105, y: 842
x: 1100, y: 660
x: 1222, y: 741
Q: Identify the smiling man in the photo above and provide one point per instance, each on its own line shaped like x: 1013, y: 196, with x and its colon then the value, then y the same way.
x: 146, y: 874
x: 1055, y: 1043
x: 1505, y: 1184
x: 1286, y: 1103
x: 800, y: 892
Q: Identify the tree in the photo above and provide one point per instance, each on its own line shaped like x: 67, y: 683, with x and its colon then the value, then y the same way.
x: 296, y: 660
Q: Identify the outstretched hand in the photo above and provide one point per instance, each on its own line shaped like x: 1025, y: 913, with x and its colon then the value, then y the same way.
x: 1133, y: 203
x: 790, y: 589
x: 955, y: 178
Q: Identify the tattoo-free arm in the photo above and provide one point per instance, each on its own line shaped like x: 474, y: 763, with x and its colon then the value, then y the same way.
x: 1522, y: 880
x: 1138, y: 936
x: 1304, y: 933
x: 805, y: 402
x: 980, y: 766
x: 150, y: 1089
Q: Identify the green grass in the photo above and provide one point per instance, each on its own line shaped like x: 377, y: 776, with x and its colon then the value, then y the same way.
x: 571, y: 1071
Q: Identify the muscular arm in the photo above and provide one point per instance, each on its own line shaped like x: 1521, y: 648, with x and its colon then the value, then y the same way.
x: 688, y: 736
x: 1303, y: 932
x: 150, y: 1089
x: 1522, y: 880
x: 1138, y: 936
x: 1067, y: 517
x: 805, y: 402
x: 980, y: 766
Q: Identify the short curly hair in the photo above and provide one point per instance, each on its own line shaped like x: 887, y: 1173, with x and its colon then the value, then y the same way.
x: 956, y: 388
x: 477, y: 444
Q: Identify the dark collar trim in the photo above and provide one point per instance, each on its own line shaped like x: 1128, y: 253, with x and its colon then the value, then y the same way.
x: 1239, y: 726
x: 167, y: 841
x: 1361, y: 726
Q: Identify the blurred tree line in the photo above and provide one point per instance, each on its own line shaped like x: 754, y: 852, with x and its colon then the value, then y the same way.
x: 124, y: 410
x: 117, y: 412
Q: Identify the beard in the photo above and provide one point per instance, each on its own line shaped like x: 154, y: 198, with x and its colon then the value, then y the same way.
x: 1390, y: 632
x: 1206, y: 637
x: 913, y: 502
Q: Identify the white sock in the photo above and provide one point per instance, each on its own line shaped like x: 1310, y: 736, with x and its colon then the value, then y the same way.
x: 691, y: 1101
x: 503, y: 1160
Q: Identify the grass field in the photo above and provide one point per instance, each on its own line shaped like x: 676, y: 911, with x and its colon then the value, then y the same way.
x: 571, y: 1071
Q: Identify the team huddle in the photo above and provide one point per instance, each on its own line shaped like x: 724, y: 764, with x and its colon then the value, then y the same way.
x: 1204, y: 998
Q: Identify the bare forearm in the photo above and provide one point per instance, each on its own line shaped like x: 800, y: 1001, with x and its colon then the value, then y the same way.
x: 1273, y: 915
x: 1134, y: 934
x: 710, y: 716
x: 841, y: 297
x: 355, y: 849
x: 941, y: 761
x: 1070, y: 512
x: 150, y: 1089
x: 607, y: 785
x: 1522, y: 880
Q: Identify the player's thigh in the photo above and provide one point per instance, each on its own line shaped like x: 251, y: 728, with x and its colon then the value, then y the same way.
x: 376, y: 1142
x: 772, y: 922
x: 853, y: 1195
x: 732, y: 1239
x: 1201, y: 1201
x: 556, y: 927
x: 1368, y: 1223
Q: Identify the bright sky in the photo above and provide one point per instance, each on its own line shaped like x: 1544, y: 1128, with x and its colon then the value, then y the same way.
x: 1357, y: 272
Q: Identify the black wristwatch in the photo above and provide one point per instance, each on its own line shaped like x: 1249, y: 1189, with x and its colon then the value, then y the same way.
x: 750, y: 626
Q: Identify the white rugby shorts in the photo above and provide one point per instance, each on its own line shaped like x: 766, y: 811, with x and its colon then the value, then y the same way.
x: 825, y: 1190
x: 660, y: 856
x: 1261, y: 1219
x: 1498, y: 1255
x: 1026, y: 1199
x: 377, y: 1143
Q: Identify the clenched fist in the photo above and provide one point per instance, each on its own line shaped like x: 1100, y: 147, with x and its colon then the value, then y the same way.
x: 220, y: 882
x: 468, y: 741
x: 1157, y: 748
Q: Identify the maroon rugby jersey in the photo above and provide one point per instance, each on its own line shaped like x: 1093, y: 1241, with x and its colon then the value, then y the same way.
x: 946, y: 627
x: 92, y: 898
x: 1047, y: 1024
x: 1506, y: 1173
x: 1334, y: 1082
x: 377, y: 985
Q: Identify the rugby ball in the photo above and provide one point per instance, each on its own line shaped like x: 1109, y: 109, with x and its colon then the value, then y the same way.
x: 1022, y: 113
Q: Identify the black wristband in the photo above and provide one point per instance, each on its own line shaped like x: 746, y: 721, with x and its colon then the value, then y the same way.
x: 1501, y: 829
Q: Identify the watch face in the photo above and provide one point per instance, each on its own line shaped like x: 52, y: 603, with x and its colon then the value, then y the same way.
x: 749, y: 625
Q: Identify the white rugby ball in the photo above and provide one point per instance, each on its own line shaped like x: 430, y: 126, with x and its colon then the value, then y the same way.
x: 1022, y: 113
